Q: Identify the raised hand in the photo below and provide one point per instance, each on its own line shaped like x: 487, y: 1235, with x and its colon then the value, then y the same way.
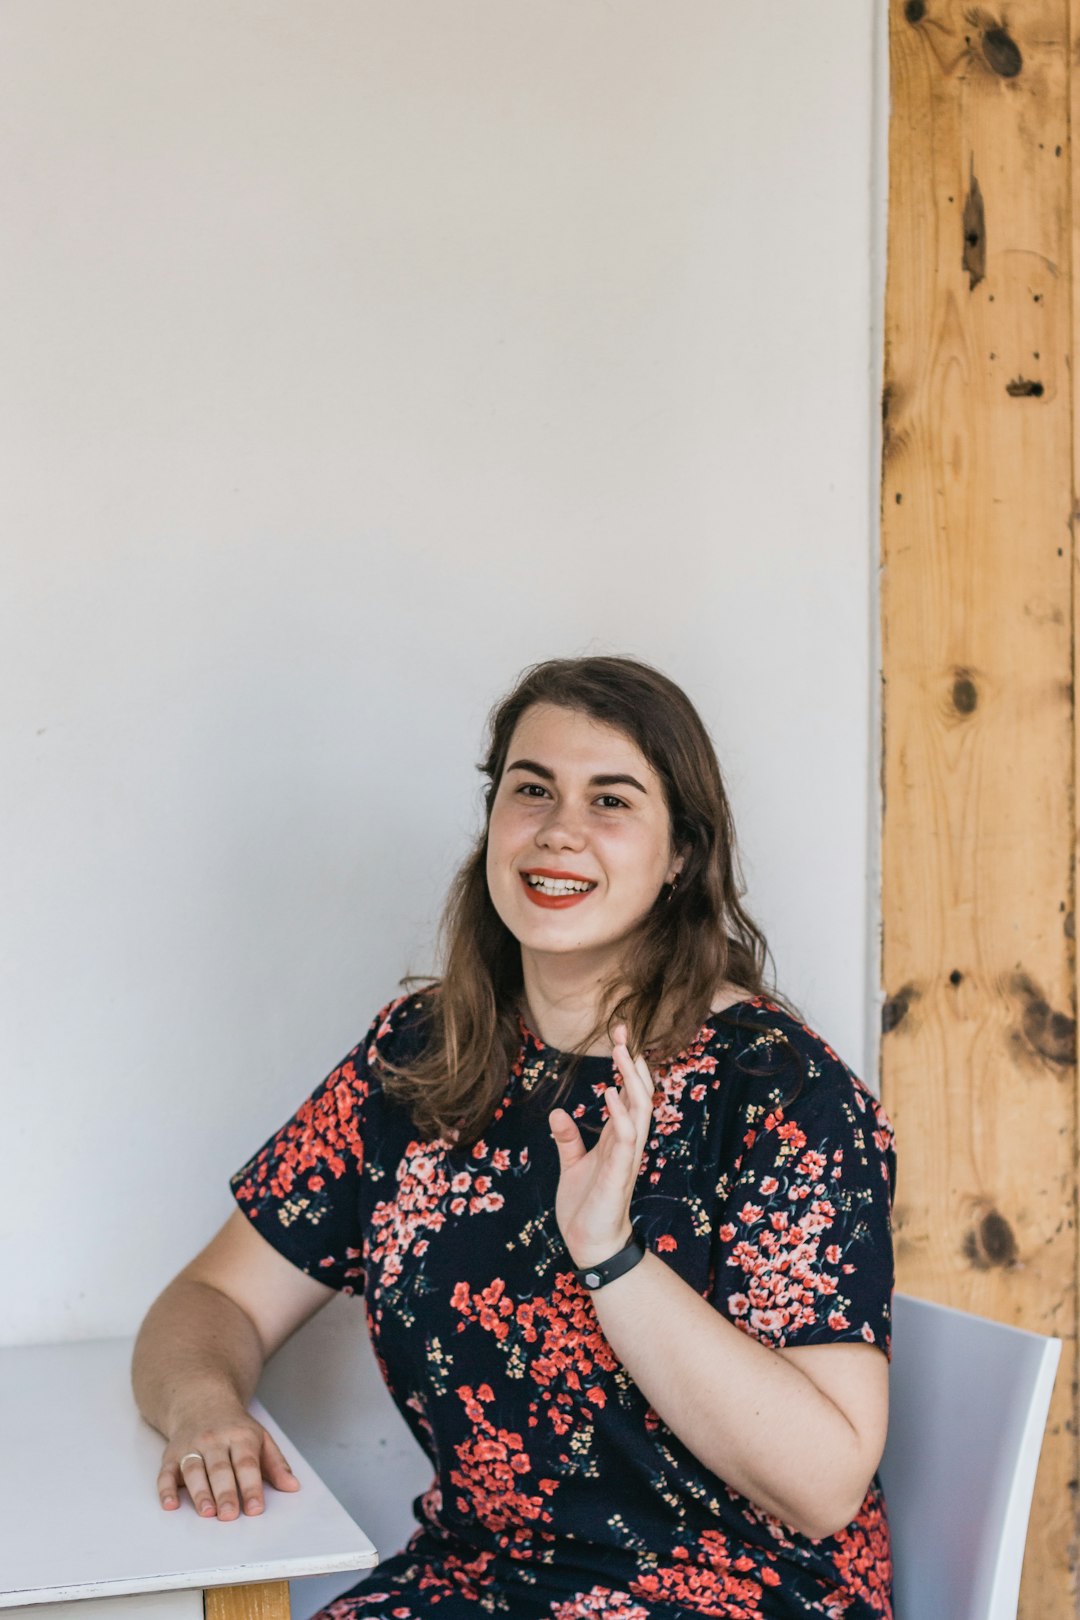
x: 592, y: 1203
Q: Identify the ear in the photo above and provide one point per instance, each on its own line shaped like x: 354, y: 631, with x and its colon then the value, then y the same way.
x: 678, y: 863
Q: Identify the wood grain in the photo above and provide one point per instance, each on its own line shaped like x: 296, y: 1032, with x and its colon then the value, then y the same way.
x: 979, y: 834
x: 262, y: 1600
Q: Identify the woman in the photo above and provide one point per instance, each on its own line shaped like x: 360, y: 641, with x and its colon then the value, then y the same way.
x: 623, y: 1223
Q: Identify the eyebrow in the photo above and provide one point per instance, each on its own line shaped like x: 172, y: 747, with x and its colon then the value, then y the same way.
x: 594, y: 781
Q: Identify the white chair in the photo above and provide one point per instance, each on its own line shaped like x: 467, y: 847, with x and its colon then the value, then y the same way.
x: 968, y: 1406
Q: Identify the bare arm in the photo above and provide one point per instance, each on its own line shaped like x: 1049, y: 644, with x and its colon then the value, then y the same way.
x: 197, y: 1361
x: 799, y: 1432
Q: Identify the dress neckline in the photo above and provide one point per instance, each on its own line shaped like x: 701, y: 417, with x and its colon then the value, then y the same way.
x: 599, y: 1060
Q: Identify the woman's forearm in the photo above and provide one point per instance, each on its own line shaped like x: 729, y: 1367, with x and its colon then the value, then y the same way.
x: 195, y: 1346
x: 747, y: 1413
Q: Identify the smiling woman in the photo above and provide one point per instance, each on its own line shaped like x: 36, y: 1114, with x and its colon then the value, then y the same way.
x: 621, y: 1219
x: 570, y: 815
x: 599, y: 768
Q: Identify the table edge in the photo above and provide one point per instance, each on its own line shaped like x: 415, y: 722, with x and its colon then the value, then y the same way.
x: 181, y: 1581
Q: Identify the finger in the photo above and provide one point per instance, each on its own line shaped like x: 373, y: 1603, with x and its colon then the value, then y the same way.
x: 638, y: 1090
x: 621, y: 1049
x: 247, y: 1473
x: 620, y: 1113
x: 567, y: 1138
x: 168, y: 1486
x: 193, y: 1474
x: 275, y: 1467
x: 222, y: 1479
x: 650, y: 1092
x: 649, y: 1087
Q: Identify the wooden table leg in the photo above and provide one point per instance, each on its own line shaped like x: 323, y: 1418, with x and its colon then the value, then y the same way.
x: 262, y: 1600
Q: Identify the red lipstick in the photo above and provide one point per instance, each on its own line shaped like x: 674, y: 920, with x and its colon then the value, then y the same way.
x: 555, y: 902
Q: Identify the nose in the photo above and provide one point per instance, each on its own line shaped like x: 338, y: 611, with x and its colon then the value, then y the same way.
x: 562, y: 829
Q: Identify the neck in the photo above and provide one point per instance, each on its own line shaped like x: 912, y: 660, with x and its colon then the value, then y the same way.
x: 561, y: 1000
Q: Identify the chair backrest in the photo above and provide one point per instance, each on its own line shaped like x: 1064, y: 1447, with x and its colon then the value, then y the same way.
x: 968, y: 1405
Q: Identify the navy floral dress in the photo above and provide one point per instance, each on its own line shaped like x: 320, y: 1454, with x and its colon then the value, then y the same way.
x: 766, y: 1183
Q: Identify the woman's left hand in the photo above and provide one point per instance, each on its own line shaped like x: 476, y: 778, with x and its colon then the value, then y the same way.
x: 592, y: 1204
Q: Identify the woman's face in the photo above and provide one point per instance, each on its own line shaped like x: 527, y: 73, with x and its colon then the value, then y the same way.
x: 577, y: 804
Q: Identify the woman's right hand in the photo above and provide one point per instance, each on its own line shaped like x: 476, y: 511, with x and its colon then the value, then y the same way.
x: 222, y: 1455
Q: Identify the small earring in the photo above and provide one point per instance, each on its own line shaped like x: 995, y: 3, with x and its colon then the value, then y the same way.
x: 672, y: 886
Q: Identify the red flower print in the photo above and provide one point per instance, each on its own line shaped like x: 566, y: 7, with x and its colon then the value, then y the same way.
x: 599, y: 1600
x: 712, y: 1583
x: 324, y: 1133
x: 572, y: 1352
x: 811, y: 1165
x: 490, y: 1464
x: 422, y: 1204
x: 557, y: 1487
x: 788, y: 1132
x: 863, y: 1558
x: 789, y: 1261
x: 467, y: 1577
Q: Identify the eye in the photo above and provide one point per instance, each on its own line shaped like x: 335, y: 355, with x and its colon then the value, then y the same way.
x: 610, y: 800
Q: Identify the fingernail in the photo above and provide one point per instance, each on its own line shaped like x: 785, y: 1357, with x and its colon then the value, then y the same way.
x: 206, y: 1510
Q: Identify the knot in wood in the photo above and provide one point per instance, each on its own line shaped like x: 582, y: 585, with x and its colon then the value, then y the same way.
x: 1002, y: 52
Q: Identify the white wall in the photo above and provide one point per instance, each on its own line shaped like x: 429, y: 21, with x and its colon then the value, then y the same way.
x: 355, y: 355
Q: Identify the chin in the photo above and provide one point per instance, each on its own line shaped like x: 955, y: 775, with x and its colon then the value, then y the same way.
x: 556, y: 944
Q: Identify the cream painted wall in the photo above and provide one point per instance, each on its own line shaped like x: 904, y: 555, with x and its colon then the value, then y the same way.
x: 356, y: 355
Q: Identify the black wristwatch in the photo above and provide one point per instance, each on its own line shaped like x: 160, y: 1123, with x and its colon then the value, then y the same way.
x: 596, y: 1276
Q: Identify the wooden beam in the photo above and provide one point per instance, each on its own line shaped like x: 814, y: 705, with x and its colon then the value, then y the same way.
x: 262, y: 1600
x: 979, y: 835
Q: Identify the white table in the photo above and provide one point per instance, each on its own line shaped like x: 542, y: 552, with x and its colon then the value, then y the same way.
x: 81, y: 1527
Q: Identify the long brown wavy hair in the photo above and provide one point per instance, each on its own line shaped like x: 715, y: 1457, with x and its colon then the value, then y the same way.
x: 695, y: 937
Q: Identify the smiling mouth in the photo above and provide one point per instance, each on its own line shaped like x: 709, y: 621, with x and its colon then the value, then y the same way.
x: 556, y: 892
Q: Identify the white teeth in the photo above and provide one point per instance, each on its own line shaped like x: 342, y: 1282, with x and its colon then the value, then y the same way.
x: 558, y: 885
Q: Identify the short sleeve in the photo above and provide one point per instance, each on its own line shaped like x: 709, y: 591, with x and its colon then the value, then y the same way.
x: 803, y: 1254
x: 301, y: 1190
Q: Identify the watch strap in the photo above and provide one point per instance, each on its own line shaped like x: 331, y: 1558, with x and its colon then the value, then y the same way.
x: 595, y: 1277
